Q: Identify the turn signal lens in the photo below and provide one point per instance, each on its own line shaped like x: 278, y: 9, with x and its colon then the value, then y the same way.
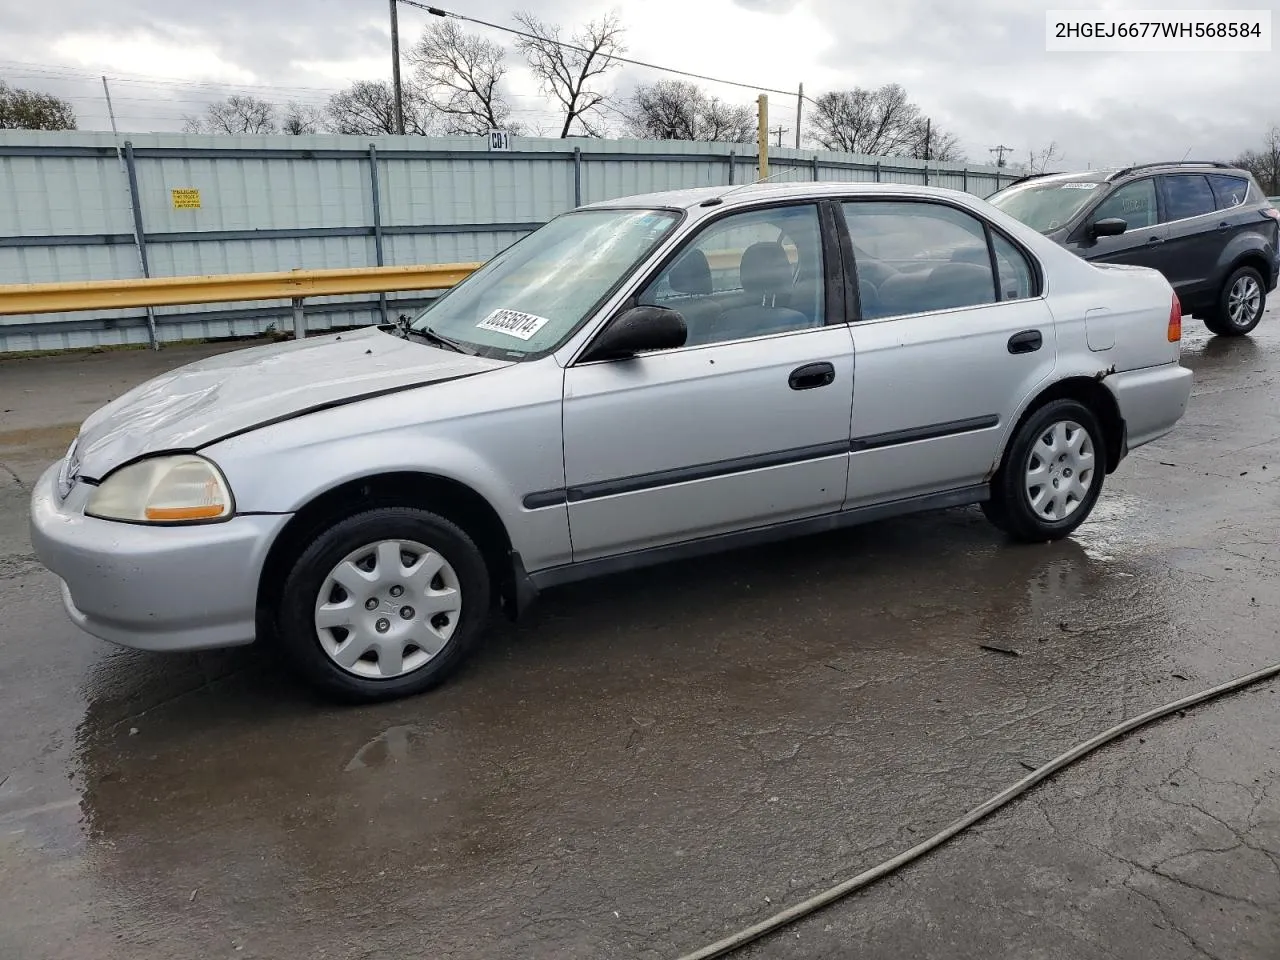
x: 1175, y: 320
x: 170, y: 489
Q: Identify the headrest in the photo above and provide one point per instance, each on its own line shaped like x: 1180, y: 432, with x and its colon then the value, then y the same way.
x: 691, y: 274
x: 766, y: 273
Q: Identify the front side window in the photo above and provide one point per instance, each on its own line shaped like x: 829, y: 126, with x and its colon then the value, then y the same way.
x: 530, y: 298
x: 917, y: 257
x: 1134, y: 203
x: 747, y: 275
x: 1188, y: 195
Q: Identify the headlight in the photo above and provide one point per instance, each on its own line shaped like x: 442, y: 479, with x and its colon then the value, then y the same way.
x: 170, y: 489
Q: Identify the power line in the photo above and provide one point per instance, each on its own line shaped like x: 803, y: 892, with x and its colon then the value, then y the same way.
x: 436, y: 11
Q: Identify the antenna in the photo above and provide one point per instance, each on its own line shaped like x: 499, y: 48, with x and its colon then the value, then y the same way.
x: 719, y: 198
x: 1187, y: 154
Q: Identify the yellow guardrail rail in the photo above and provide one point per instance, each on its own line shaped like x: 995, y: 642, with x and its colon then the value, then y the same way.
x: 292, y: 285
x: 21, y: 298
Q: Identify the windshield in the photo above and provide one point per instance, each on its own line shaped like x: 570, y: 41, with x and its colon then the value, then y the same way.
x: 1046, y: 206
x: 531, y: 297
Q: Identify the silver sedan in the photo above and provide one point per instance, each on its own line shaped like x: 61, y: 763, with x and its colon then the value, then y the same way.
x: 640, y: 380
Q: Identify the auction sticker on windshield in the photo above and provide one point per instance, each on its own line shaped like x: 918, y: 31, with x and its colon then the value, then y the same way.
x: 1079, y: 185
x: 513, y: 322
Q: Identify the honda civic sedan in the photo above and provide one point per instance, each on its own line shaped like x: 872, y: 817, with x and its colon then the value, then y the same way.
x: 637, y: 381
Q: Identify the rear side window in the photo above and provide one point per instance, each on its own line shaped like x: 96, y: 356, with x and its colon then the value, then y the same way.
x: 1017, y: 282
x: 1134, y: 203
x: 1228, y: 191
x: 1188, y: 195
x: 918, y: 257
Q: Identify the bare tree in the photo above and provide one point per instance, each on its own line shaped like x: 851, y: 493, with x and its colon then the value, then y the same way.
x: 460, y: 76
x: 301, y: 118
x: 27, y: 110
x: 569, y: 72
x: 679, y: 110
x: 1264, y: 163
x: 236, y: 114
x: 1038, y: 160
x: 879, y: 122
x: 934, y: 144
x: 368, y: 108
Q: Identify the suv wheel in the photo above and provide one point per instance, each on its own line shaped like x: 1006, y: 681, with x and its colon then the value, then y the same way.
x: 1052, y: 474
x: 1240, y: 304
x: 384, y: 604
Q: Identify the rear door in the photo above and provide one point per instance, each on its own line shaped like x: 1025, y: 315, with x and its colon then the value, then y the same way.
x: 1191, y: 217
x: 1143, y: 244
x: 945, y: 348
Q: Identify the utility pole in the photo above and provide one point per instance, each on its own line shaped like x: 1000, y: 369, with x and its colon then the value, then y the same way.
x: 928, y: 139
x: 779, y: 130
x: 395, y: 67
x: 762, y: 134
x: 1000, y: 151
x: 799, y: 114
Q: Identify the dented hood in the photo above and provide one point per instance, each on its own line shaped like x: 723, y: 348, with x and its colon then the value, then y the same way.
x: 213, y: 398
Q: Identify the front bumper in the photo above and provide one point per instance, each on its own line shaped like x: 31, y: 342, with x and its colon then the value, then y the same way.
x: 152, y: 588
x: 1151, y: 401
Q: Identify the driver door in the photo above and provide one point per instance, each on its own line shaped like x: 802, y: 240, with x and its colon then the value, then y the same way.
x: 744, y: 426
x: 1142, y: 245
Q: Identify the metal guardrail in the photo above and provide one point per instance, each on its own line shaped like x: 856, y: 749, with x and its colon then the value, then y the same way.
x: 293, y: 285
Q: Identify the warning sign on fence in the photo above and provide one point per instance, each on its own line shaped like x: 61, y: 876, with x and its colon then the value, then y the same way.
x: 186, y: 199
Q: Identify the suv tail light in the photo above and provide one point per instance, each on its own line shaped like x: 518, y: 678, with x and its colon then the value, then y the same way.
x: 1175, y: 320
x: 1271, y: 212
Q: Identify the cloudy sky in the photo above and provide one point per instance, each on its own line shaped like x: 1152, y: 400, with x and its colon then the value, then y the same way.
x: 978, y: 67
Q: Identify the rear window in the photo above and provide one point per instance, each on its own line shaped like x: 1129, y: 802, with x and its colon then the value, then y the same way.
x: 1046, y: 206
x: 1228, y: 191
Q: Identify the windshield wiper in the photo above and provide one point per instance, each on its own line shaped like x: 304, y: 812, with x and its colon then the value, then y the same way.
x: 429, y: 335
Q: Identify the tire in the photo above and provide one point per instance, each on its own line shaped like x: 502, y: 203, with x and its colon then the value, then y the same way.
x: 1011, y: 507
x: 443, y: 607
x: 1240, y: 304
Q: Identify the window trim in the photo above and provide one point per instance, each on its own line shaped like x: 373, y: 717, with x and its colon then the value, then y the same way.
x: 1162, y: 188
x: 833, y: 279
x: 989, y: 230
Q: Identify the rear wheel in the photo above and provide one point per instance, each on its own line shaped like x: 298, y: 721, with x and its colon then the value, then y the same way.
x: 384, y: 604
x: 1052, y: 474
x: 1240, y: 304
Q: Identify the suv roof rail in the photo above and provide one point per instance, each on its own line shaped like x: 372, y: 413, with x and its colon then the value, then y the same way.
x: 1032, y: 176
x: 1125, y: 171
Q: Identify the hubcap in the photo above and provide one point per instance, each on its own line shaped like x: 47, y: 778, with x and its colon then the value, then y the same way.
x: 386, y: 609
x: 1243, y: 301
x: 1060, y: 470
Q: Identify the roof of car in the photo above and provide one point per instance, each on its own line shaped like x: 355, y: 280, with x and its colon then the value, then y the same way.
x: 692, y: 197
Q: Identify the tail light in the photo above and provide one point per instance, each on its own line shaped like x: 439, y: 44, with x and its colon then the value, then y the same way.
x: 1271, y: 212
x: 1175, y: 320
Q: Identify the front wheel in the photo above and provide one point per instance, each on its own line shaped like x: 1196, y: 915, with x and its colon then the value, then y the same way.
x: 1240, y: 304
x: 384, y: 604
x: 1052, y: 474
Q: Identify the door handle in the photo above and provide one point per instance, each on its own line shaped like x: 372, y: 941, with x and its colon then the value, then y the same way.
x: 812, y: 375
x: 1154, y: 240
x: 1028, y: 341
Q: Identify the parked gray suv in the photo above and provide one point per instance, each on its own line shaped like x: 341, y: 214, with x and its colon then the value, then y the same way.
x: 1206, y: 226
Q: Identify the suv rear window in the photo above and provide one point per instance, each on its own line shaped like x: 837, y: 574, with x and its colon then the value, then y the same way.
x: 1187, y: 195
x: 1228, y: 191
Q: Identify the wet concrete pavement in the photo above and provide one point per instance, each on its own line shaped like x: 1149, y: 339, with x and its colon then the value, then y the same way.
x: 660, y: 758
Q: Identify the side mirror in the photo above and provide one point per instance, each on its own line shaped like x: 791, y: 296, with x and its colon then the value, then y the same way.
x: 1108, y: 227
x: 636, y: 330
